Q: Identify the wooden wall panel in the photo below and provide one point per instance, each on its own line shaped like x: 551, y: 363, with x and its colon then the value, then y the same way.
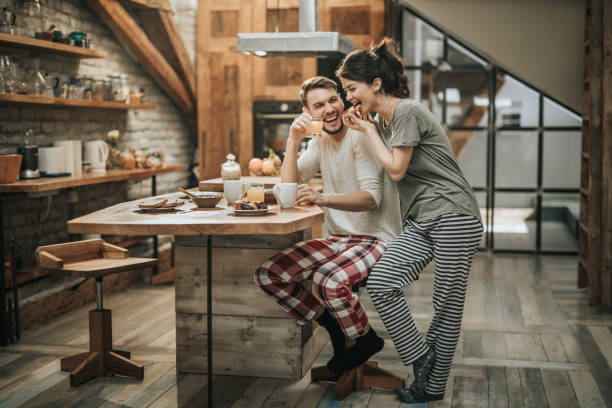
x: 224, y: 23
x: 229, y: 82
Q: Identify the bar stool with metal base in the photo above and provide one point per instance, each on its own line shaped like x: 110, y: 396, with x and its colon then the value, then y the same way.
x: 94, y: 259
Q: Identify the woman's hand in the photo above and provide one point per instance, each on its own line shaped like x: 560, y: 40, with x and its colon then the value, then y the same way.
x: 352, y: 118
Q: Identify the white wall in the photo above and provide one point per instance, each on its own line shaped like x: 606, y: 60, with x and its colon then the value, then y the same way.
x: 539, y: 41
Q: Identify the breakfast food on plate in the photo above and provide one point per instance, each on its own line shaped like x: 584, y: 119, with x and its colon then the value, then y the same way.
x: 154, y: 203
x: 250, y: 205
x: 172, y: 203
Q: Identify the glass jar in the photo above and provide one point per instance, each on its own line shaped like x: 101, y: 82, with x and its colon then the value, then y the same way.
x: 230, y: 170
x: 97, y: 90
x: 32, y: 8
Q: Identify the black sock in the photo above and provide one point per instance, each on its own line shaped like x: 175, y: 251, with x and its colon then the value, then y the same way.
x: 365, y: 347
x: 336, y: 334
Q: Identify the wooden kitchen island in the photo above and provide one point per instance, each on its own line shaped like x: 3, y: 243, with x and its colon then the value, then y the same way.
x: 253, y: 336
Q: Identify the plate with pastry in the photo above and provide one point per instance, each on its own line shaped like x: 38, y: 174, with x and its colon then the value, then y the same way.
x: 250, y: 208
x: 158, y: 205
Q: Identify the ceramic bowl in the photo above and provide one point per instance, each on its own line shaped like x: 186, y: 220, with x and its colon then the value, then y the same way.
x: 207, y: 199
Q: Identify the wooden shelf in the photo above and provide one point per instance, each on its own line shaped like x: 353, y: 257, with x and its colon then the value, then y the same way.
x: 49, y: 46
x: 55, y: 183
x: 63, y: 102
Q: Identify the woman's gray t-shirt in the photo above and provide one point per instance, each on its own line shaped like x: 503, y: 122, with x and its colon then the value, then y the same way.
x: 434, y: 184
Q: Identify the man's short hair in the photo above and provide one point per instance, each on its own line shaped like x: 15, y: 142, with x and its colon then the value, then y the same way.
x: 315, y: 83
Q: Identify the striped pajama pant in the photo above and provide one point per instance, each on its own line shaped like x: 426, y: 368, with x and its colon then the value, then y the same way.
x: 451, y: 241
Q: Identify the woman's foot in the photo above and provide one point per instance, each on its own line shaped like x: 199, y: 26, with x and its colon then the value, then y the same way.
x: 417, y: 392
x: 407, y: 396
x: 365, y: 347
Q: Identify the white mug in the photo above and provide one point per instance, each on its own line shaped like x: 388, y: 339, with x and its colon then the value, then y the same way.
x: 234, y: 190
x: 285, y: 194
x: 68, y: 147
x: 96, y: 153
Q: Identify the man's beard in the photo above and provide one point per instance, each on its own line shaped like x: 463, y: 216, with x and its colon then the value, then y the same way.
x: 335, y: 132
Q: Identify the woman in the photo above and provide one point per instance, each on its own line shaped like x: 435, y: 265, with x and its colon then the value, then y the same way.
x: 439, y: 211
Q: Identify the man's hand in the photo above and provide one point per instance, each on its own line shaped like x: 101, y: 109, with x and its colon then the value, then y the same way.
x: 298, y: 128
x: 308, y: 195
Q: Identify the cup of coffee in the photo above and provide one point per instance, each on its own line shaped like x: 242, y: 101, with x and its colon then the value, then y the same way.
x: 234, y: 190
x: 286, y: 194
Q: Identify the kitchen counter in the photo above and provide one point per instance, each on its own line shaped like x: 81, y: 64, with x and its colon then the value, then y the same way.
x: 253, y: 336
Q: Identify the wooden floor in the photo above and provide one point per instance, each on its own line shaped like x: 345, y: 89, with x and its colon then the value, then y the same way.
x: 528, y: 340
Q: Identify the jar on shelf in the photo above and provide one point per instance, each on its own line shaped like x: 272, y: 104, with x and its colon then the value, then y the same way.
x: 98, y: 90
x: 32, y: 8
x: 230, y: 169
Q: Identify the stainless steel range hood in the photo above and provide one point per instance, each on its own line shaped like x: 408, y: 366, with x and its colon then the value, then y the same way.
x: 308, y: 42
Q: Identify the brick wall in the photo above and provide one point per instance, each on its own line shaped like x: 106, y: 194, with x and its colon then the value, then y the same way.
x: 39, y: 221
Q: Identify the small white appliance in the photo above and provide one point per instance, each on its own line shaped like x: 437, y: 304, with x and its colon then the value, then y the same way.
x: 96, y: 153
x: 51, y: 160
x: 68, y: 147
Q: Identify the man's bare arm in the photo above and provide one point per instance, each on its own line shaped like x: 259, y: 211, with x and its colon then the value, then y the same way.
x: 357, y: 201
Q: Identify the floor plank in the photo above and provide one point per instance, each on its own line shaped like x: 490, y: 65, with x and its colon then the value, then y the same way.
x: 603, y: 339
x: 558, y: 389
x: 498, y: 388
x: 586, y: 389
x: 470, y: 392
x: 532, y: 388
x: 257, y: 393
x: 288, y: 393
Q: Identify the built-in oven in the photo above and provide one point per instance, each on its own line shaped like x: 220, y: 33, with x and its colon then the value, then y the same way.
x: 271, y: 123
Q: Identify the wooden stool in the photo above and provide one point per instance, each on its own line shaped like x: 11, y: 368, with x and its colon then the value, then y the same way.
x: 94, y: 258
x: 365, y: 377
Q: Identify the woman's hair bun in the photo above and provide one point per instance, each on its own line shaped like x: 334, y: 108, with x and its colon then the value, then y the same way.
x: 380, y: 61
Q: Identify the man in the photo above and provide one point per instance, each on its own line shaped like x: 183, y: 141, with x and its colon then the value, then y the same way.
x: 362, y: 216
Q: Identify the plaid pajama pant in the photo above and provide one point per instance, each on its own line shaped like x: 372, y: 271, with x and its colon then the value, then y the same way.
x: 335, y: 264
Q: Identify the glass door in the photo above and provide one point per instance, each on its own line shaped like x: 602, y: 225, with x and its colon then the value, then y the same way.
x: 518, y: 147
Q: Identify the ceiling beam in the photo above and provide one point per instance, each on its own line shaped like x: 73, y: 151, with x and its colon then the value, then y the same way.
x: 149, y: 4
x: 152, y: 61
x: 164, y: 32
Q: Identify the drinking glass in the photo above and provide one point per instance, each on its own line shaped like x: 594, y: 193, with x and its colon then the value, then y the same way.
x: 316, y: 127
x: 255, y: 192
x: 5, y: 71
